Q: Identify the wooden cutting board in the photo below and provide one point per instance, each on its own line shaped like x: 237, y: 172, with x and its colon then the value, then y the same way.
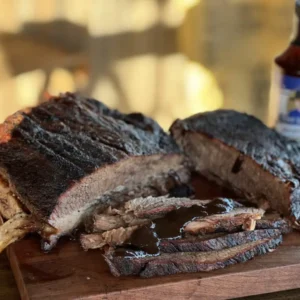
x: 70, y: 273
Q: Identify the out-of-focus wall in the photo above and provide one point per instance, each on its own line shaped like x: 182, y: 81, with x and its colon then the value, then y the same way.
x: 166, y: 58
x: 238, y: 40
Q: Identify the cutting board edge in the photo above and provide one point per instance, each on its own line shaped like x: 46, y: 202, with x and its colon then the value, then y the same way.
x: 17, y: 273
x: 203, y: 287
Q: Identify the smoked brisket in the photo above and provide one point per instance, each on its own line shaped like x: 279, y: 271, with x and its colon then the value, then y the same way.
x: 61, y: 157
x: 189, y: 262
x: 210, y: 243
x: 238, y: 151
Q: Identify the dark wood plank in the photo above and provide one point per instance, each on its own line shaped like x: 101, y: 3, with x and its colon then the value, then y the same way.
x: 8, y: 288
x: 70, y: 273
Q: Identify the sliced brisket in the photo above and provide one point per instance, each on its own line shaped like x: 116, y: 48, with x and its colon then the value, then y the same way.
x: 220, y: 242
x: 152, y: 207
x: 62, y: 156
x: 274, y: 221
x: 239, y: 151
x: 188, y: 262
x: 142, y: 210
x: 180, y: 217
x: 239, y: 218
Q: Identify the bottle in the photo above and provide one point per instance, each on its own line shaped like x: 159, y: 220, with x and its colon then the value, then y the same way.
x: 285, y: 93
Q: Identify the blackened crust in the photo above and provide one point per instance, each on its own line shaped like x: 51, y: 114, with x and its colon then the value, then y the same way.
x: 268, y: 150
x: 47, y: 149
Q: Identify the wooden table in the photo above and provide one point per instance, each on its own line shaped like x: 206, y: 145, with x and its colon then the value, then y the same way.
x: 9, y: 291
x: 8, y: 287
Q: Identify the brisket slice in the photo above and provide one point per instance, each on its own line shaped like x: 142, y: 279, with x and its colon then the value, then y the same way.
x: 274, y: 221
x: 208, y: 243
x: 170, y: 226
x: 239, y: 151
x: 60, y: 157
x: 231, y: 221
x: 151, y: 207
x: 189, y: 262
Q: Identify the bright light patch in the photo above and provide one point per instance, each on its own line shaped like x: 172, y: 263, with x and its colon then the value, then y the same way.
x: 105, y: 91
x: 202, y: 90
x: 28, y: 86
x: 187, y: 4
x: 61, y: 80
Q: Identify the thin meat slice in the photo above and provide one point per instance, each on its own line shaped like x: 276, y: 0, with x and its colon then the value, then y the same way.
x: 61, y: 157
x: 188, y: 262
x: 212, y: 243
x: 274, y: 221
x: 151, y: 207
x: 234, y: 220
x: 238, y: 151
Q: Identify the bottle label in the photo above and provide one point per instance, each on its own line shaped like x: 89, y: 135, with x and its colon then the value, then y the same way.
x: 288, y: 122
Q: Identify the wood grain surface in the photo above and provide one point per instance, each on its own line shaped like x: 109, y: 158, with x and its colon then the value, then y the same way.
x: 70, y: 273
x: 8, y: 288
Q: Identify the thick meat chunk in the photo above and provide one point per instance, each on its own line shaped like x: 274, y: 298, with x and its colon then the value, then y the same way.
x: 239, y: 151
x: 62, y: 156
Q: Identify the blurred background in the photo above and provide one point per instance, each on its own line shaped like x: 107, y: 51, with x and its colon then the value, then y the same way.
x: 165, y: 58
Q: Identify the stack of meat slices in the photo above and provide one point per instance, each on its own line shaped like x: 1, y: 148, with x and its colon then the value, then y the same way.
x: 161, y: 236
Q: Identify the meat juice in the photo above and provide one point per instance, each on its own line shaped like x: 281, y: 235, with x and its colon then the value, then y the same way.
x: 145, y: 240
x: 285, y: 92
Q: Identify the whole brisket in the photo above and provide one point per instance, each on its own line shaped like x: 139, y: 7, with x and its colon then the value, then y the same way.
x: 62, y: 156
x: 239, y: 151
